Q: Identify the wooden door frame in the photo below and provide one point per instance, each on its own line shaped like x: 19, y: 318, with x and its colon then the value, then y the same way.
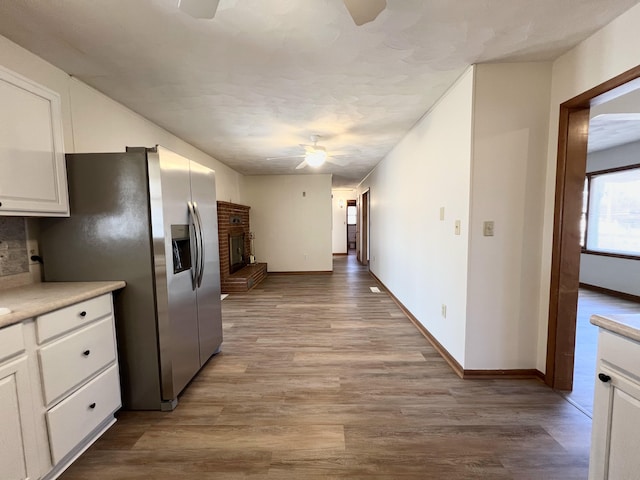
x: 351, y: 203
x: 565, y: 258
x: 364, y: 244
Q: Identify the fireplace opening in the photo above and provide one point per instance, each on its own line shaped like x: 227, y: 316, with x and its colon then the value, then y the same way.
x: 236, y: 252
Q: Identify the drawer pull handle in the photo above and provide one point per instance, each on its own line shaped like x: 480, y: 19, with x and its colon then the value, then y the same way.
x: 92, y: 406
x: 604, y: 377
x: 86, y: 353
x: 83, y: 314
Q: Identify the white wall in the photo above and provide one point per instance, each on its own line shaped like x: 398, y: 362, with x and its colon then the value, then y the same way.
x: 339, y: 215
x: 92, y: 122
x: 102, y: 125
x: 510, y: 134
x: 291, y: 220
x: 607, y: 53
x: 619, y: 274
x: 412, y: 252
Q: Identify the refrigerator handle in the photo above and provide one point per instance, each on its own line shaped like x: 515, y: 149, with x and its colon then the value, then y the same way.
x: 201, y: 249
x: 193, y: 220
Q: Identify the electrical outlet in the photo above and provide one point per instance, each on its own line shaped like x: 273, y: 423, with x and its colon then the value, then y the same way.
x: 488, y: 228
x: 457, y: 228
x: 32, y: 250
x: 444, y: 311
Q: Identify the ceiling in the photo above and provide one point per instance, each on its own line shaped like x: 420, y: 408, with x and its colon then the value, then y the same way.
x: 264, y: 75
x: 615, y: 123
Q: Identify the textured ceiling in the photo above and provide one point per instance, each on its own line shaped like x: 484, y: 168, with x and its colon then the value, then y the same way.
x: 615, y: 122
x: 264, y: 75
x: 612, y: 130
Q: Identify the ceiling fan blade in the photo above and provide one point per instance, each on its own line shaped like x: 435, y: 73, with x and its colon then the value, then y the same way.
x: 337, y: 161
x: 302, y: 165
x: 199, y: 8
x: 288, y: 156
x: 365, y: 11
x: 307, y: 148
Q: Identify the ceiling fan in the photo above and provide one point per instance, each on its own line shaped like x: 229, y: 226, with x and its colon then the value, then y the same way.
x: 362, y: 11
x: 314, y: 155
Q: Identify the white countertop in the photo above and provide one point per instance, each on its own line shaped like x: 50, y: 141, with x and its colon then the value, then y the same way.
x: 627, y: 325
x: 31, y: 300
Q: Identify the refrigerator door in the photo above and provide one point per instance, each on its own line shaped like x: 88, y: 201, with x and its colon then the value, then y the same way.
x: 108, y: 237
x: 178, y: 330
x: 203, y: 191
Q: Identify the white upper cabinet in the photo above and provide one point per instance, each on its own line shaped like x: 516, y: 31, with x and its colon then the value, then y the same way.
x: 33, y: 179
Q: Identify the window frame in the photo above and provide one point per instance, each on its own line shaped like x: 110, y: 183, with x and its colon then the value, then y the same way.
x: 589, y: 177
x: 355, y: 216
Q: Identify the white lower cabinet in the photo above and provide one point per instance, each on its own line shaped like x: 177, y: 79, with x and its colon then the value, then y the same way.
x: 59, y: 388
x: 615, y: 442
x: 18, y: 448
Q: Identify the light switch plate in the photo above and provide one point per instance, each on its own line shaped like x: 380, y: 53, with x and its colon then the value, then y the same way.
x: 488, y: 228
x: 457, y: 230
x: 441, y: 213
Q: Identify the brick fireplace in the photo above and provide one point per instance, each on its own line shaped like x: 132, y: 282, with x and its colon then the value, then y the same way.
x: 234, y: 230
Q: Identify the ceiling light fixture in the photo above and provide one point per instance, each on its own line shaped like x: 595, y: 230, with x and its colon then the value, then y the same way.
x: 316, y: 157
x: 205, y: 9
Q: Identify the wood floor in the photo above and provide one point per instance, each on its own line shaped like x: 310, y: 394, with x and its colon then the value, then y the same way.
x: 584, y: 372
x: 320, y: 378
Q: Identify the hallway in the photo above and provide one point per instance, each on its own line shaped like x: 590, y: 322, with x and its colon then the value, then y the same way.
x: 321, y: 378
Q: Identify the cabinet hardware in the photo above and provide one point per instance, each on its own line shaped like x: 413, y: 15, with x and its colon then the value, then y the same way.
x: 83, y: 313
x: 92, y: 406
x: 604, y: 377
x: 86, y: 353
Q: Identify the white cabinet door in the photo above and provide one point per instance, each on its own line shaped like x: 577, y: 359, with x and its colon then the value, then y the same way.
x: 33, y: 178
x: 616, y: 421
x: 18, y: 447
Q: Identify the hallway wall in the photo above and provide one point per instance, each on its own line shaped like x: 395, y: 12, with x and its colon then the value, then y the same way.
x: 414, y: 253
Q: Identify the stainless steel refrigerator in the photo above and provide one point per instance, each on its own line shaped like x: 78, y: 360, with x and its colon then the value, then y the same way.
x: 148, y: 217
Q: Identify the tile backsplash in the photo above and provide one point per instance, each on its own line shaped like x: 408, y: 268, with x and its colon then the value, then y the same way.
x: 13, y: 246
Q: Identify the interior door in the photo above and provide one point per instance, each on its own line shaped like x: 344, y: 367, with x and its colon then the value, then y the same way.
x: 203, y: 191
x: 178, y: 339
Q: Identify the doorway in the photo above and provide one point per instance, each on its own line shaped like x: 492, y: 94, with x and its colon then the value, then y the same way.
x: 565, y: 262
x: 352, y: 221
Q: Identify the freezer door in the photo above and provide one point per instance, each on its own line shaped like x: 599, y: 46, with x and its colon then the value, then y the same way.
x: 203, y: 190
x: 178, y: 327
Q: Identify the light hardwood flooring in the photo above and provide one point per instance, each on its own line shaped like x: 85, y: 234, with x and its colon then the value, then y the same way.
x: 320, y: 378
x: 584, y: 372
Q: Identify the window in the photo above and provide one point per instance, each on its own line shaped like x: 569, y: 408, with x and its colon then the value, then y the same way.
x: 583, y: 215
x: 613, y: 215
x: 351, y: 214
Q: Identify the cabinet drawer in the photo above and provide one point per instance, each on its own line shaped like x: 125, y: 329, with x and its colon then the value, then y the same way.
x: 11, y: 341
x: 73, y: 419
x: 67, y: 362
x: 66, y: 319
x: 621, y: 352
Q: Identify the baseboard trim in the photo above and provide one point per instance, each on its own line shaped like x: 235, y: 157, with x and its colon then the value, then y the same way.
x: 311, y: 272
x: 340, y: 254
x: 444, y: 353
x: 515, y: 374
x: 613, y: 293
